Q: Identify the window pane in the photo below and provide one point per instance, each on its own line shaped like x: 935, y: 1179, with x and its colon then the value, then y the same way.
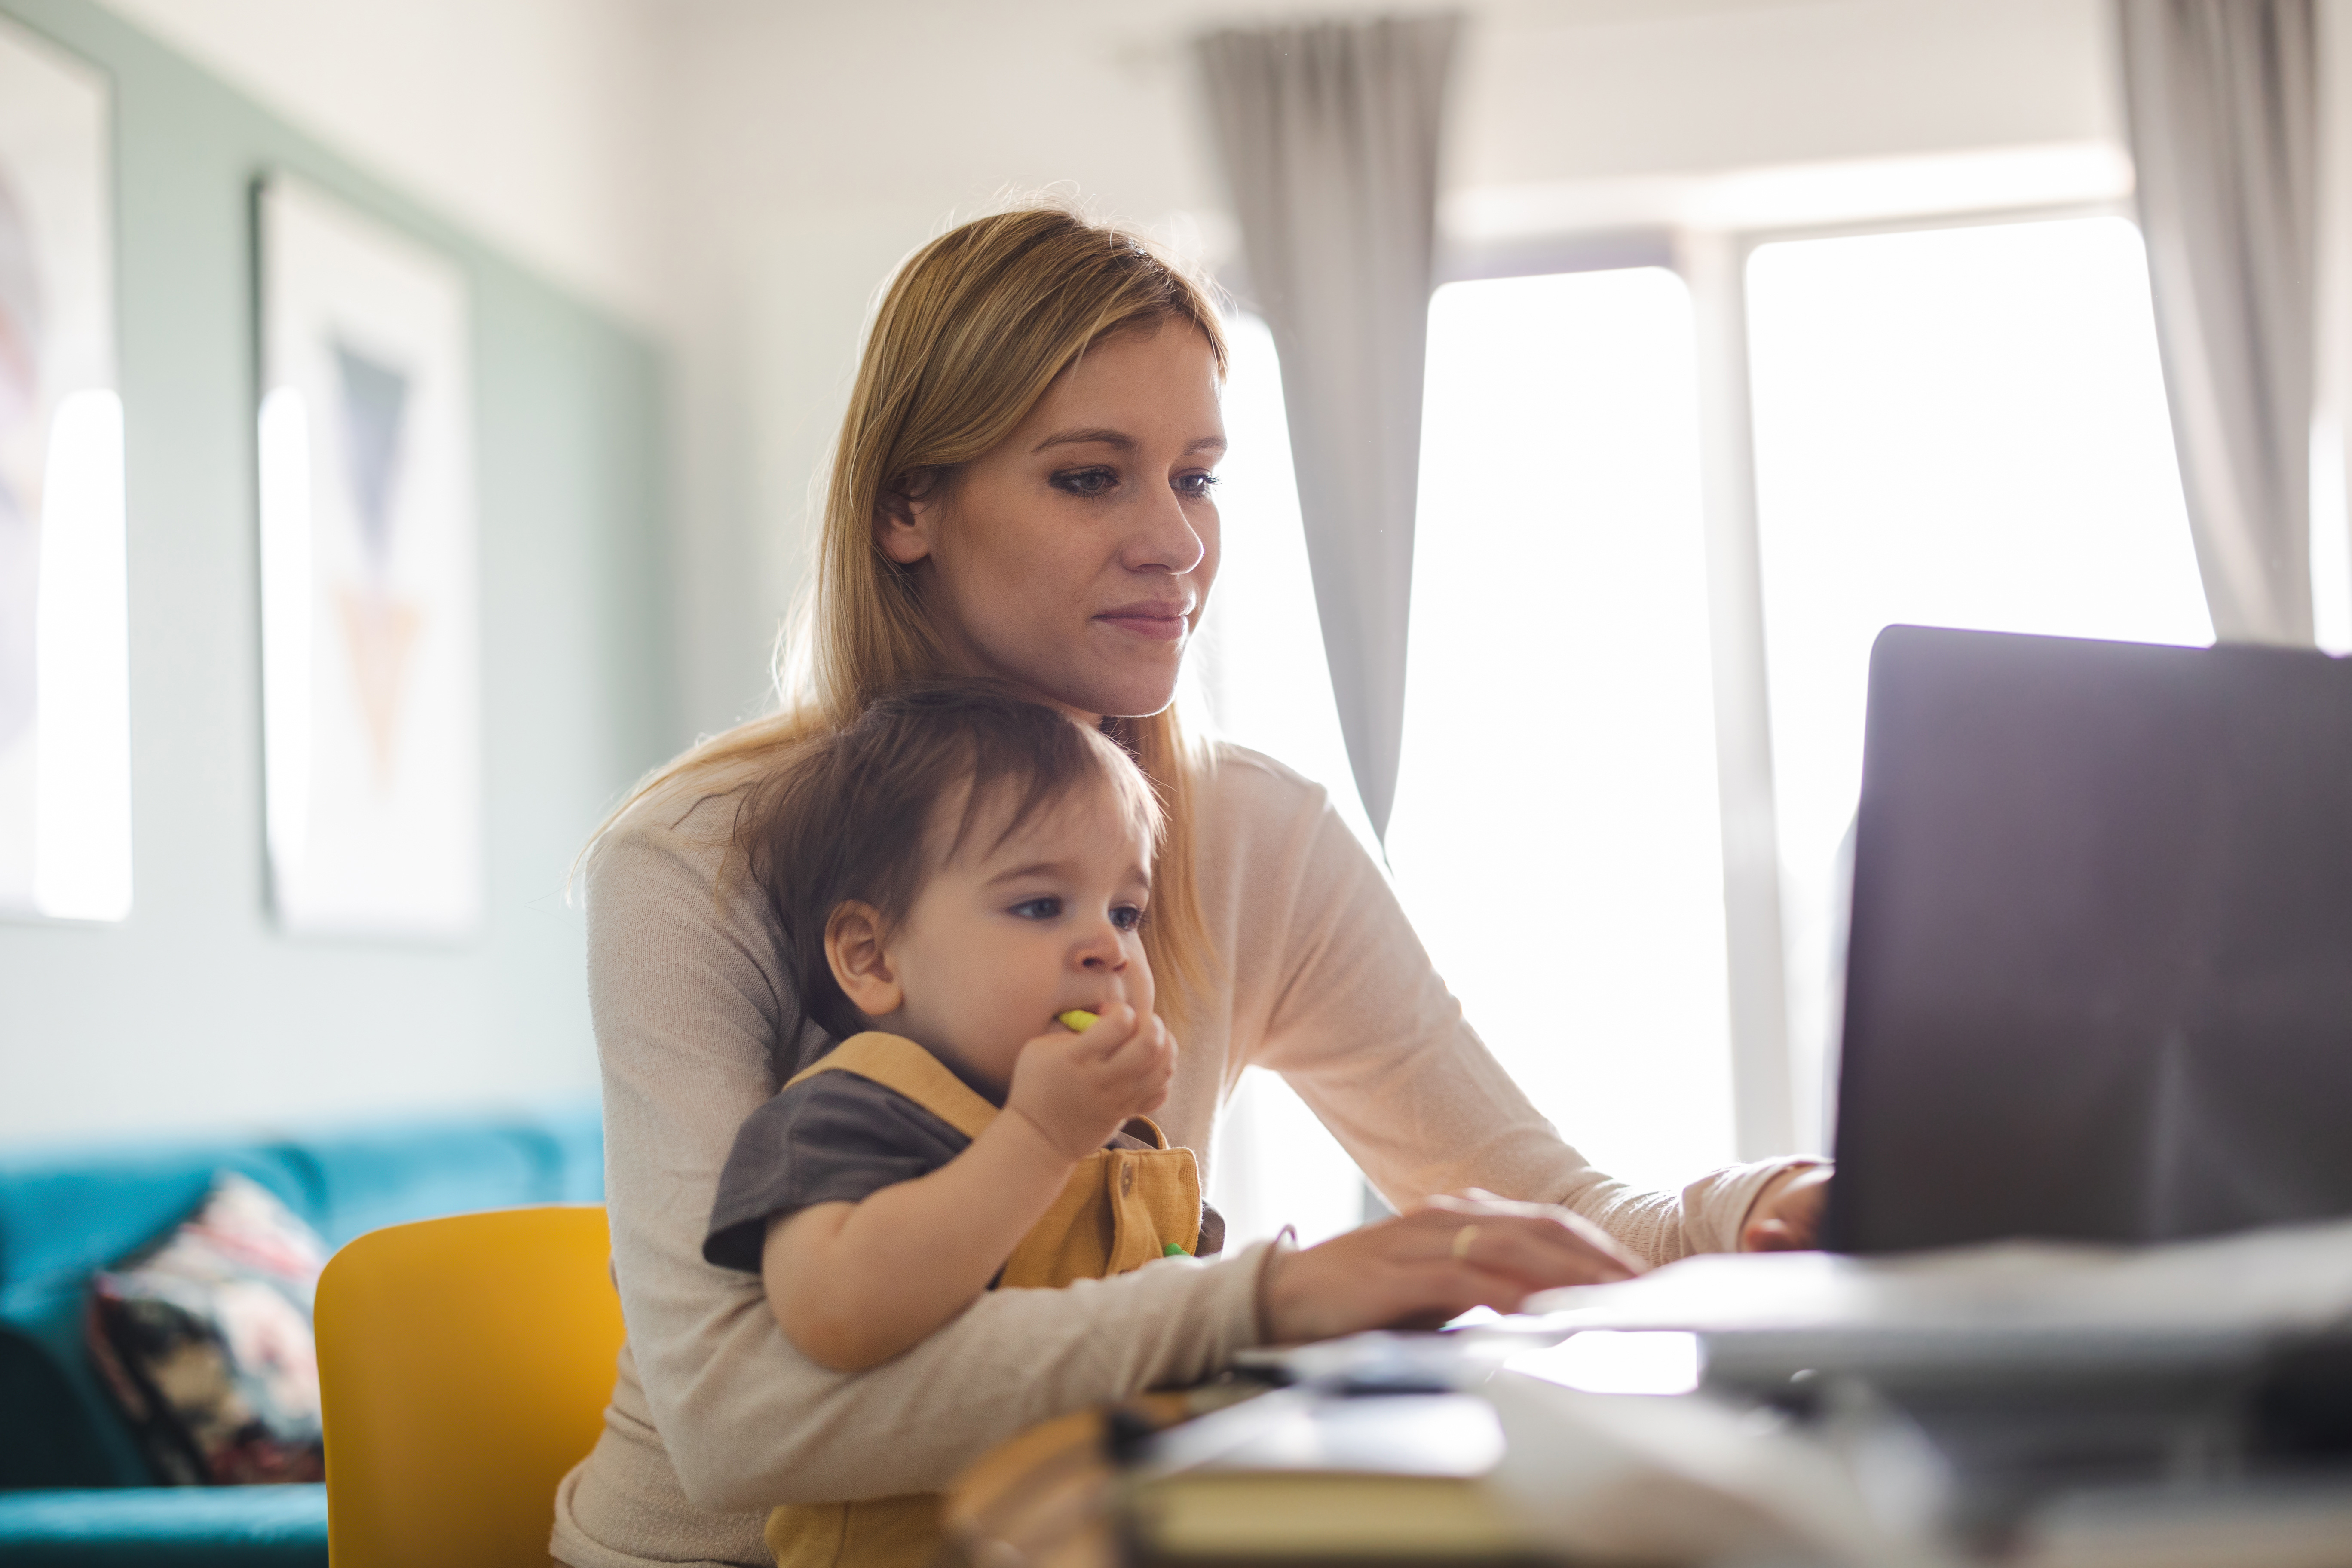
x: 1259, y: 667
x: 1260, y: 660
x: 1957, y: 428
x: 1557, y: 835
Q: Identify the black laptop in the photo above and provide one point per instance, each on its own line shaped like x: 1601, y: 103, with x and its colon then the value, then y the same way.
x: 2099, y: 984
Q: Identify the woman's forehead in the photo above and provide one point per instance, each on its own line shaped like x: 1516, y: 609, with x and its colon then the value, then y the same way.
x: 1131, y: 377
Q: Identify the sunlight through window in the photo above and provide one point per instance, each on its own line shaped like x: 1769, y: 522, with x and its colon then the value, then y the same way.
x: 1260, y: 668
x: 1557, y: 835
x: 1956, y: 427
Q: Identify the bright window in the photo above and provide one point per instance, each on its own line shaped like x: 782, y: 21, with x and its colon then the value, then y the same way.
x: 1261, y: 670
x: 1557, y: 835
x: 1959, y: 427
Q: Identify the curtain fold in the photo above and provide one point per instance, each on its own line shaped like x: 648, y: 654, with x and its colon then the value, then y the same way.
x: 2222, y: 101
x: 1328, y: 134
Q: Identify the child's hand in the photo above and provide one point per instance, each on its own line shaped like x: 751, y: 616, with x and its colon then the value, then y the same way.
x: 1079, y: 1089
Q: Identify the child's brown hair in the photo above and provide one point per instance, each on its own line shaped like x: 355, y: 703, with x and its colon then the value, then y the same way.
x: 850, y: 814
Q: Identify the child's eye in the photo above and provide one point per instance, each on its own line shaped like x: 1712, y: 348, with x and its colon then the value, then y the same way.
x: 1127, y: 917
x: 1038, y: 908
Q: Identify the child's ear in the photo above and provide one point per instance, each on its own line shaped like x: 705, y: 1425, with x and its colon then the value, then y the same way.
x: 853, y: 951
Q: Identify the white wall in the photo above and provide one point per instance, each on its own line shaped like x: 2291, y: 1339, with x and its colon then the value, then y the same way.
x: 537, y: 123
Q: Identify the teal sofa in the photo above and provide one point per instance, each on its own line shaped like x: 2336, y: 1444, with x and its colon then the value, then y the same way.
x: 74, y: 1487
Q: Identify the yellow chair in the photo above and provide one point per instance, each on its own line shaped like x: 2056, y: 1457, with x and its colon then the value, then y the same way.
x: 464, y: 1366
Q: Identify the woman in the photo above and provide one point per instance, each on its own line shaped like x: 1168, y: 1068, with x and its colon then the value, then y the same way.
x: 1023, y: 488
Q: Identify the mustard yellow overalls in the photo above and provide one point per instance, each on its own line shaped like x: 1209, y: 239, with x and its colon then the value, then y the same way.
x: 1120, y: 1209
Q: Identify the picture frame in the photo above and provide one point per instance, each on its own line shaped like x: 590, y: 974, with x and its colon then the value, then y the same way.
x: 371, y: 641
x: 65, y: 756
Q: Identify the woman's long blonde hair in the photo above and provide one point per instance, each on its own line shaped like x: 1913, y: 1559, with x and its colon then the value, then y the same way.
x: 971, y: 331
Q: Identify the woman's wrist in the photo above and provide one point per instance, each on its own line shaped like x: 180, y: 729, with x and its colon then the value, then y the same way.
x: 1785, y: 1213
x: 1278, y: 1251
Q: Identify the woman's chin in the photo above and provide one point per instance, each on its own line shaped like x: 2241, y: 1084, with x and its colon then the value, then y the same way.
x: 1128, y: 687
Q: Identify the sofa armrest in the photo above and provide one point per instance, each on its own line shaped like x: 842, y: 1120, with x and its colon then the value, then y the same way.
x: 165, y: 1527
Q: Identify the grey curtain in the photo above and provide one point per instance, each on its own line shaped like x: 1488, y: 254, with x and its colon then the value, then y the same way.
x: 2222, y: 98
x: 1328, y: 134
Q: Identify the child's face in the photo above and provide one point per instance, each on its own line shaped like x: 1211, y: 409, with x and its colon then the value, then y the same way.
x: 1006, y: 935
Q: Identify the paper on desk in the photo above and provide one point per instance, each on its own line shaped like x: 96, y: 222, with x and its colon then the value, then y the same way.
x: 1607, y: 1478
x: 2282, y: 1279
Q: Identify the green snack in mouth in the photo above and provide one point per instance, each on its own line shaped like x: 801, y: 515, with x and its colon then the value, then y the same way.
x: 1078, y: 1020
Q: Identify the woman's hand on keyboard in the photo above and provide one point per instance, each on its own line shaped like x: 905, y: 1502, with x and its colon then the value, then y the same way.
x: 1420, y: 1268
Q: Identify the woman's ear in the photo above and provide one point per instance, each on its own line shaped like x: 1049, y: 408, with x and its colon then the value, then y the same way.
x: 854, y: 952
x: 906, y: 516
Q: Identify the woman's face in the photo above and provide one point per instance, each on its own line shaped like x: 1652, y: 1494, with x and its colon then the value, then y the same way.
x: 1076, y: 557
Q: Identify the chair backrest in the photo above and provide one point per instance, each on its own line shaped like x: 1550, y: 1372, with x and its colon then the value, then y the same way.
x: 464, y: 1366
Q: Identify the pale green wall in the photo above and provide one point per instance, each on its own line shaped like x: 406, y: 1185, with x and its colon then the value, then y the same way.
x: 195, y: 1013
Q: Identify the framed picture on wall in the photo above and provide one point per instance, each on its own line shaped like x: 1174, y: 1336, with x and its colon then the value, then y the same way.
x: 65, y: 747
x: 371, y: 642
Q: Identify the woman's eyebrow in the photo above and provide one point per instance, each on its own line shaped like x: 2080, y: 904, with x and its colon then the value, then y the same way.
x: 1121, y: 441
x: 1098, y: 438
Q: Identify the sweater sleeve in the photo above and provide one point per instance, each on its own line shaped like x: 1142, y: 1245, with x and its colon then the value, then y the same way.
x: 685, y: 987
x: 1361, y: 1025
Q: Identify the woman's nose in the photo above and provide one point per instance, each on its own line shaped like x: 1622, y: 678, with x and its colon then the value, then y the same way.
x: 1165, y: 538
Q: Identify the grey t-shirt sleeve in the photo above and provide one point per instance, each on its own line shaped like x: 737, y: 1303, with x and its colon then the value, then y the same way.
x: 833, y: 1138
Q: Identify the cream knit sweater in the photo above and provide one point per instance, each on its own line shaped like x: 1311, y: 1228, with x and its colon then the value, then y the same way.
x: 716, y: 1417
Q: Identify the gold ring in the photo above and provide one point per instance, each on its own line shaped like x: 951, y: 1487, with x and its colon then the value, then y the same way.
x: 1463, y: 1238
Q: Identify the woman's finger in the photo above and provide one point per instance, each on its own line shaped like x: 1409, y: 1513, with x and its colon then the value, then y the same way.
x: 1540, y: 1254
x: 1569, y: 1230
x: 1420, y: 1269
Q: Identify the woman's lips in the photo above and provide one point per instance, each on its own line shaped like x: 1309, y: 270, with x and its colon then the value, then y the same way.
x: 1159, y: 622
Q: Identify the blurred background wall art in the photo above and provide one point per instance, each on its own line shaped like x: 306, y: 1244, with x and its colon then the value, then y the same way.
x: 371, y: 663
x: 65, y: 767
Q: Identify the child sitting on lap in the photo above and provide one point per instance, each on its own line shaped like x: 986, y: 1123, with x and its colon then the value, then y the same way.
x: 966, y: 869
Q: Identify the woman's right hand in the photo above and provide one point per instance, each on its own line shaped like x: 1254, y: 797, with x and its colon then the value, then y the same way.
x: 1420, y: 1268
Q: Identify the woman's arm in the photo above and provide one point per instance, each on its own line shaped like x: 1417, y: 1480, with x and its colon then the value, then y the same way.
x: 687, y: 999
x: 1350, y: 1010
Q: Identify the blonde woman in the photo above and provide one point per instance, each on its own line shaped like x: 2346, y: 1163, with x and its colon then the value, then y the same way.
x: 1024, y: 489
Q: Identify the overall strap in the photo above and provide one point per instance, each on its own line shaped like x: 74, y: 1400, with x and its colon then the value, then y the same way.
x: 903, y: 1067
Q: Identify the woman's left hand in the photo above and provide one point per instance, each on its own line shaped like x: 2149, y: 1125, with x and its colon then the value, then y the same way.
x: 1787, y: 1214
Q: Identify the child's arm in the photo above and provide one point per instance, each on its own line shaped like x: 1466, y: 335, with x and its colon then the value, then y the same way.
x: 853, y: 1284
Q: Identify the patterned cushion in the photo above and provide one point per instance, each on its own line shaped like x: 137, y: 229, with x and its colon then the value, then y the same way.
x: 204, y: 1339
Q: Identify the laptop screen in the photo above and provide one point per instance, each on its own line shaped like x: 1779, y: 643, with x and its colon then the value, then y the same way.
x: 2099, y: 980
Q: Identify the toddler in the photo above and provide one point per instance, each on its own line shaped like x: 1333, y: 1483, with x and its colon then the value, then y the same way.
x: 962, y: 876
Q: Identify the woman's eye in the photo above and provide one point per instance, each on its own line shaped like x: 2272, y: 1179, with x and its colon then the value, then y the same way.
x: 1127, y: 917
x: 1038, y: 908
x: 1196, y: 485
x: 1085, y: 481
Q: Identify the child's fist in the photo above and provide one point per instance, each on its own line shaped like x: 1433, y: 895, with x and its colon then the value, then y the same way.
x: 1079, y: 1088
